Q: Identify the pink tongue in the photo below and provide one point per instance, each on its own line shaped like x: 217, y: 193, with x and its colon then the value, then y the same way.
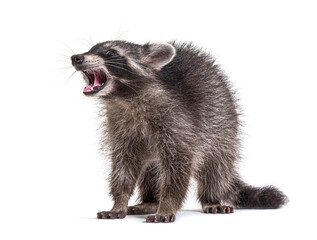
x: 90, y: 88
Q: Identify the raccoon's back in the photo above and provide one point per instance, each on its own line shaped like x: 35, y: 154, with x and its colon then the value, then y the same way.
x: 198, y: 83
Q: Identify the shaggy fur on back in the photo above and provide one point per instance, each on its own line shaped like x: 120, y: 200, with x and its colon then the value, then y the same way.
x: 170, y: 116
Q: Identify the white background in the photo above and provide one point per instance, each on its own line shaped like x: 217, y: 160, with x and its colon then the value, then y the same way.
x: 53, y: 180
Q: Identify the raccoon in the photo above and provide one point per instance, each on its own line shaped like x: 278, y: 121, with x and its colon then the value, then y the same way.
x: 171, y: 115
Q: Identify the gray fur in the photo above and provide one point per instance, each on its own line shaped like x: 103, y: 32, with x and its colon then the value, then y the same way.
x: 171, y: 115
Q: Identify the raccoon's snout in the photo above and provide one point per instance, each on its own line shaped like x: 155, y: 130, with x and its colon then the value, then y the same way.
x: 77, y: 59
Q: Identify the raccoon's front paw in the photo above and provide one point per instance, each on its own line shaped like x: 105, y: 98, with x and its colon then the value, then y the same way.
x: 111, y: 215
x: 159, y: 218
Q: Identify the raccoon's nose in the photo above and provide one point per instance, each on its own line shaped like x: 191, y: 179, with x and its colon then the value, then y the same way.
x: 77, y: 59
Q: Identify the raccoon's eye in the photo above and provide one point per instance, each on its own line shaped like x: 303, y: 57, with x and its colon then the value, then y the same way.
x: 110, y: 53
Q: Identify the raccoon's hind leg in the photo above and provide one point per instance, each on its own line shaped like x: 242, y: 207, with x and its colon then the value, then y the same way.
x: 143, y: 208
x: 149, y: 187
x: 215, y: 188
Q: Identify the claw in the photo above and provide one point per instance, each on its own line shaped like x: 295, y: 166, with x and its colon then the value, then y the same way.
x: 218, y: 209
x: 159, y: 218
x: 110, y: 215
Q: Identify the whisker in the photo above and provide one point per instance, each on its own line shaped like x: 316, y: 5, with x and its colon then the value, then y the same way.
x: 112, y: 61
x: 119, y: 68
x: 128, y: 85
x: 63, y: 68
x: 91, y: 41
x: 84, y: 42
x: 87, y: 45
x: 63, y: 60
x: 122, y: 34
x: 69, y: 48
x: 122, y: 64
x: 112, y: 58
x: 119, y: 30
x: 64, y: 56
x: 94, y: 66
x: 68, y: 79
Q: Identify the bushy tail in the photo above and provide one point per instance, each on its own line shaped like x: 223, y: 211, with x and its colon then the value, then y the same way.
x: 264, y: 197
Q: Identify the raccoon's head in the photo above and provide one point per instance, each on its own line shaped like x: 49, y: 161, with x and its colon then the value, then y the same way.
x: 118, y: 66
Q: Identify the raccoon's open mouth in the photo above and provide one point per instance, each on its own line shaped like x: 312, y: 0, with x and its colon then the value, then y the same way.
x: 97, y: 81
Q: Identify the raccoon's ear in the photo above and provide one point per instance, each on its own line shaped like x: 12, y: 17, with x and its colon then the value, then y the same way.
x: 158, y: 55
